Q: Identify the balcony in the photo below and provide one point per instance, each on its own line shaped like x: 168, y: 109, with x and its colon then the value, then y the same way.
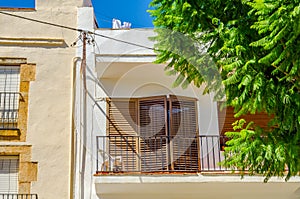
x: 133, y: 167
x: 160, y: 154
x: 9, y: 110
x: 18, y: 196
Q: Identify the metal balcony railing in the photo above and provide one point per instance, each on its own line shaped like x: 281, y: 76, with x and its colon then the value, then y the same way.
x: 160, y: 153
x: 18, y: 196
x: 9, y: 109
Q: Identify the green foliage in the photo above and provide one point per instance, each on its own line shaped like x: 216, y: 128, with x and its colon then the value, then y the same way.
x: 252, y: 48
x: 258, y: 153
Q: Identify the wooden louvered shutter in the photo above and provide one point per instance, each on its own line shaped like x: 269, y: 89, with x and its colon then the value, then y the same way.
x: 226, y: 119
x: 184, y: 133
x: 122, y: 131
x: 153, y: 130
x: 260, y: 119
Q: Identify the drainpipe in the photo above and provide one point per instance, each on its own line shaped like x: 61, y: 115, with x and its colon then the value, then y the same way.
x: 73, y: 133
x: 84, y: 117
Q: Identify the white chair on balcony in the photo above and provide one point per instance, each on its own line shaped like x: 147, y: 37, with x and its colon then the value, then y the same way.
x: 111, y: 163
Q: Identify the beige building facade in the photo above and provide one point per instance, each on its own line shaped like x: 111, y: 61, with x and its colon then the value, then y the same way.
x: 36, y: 75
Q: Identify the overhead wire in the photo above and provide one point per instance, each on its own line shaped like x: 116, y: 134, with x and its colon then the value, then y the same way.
x: 42, y: 22
x: 126, y: 42
x: 77, y: 29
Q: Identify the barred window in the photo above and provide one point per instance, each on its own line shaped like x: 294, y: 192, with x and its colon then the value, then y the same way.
x: 9, y: 168
x: 9, y: 96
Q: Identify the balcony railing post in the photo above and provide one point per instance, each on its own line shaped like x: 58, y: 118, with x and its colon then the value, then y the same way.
x: 170, y: 151
x: 199, y: 152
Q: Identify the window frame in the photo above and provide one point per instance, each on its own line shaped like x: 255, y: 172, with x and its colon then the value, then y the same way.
x: 10, y: 96
x: 11, y: 186
x: 27, y: 74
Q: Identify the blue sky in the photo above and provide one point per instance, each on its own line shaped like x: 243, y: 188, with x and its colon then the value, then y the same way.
x: 17, y: 3
x: 133, y: 11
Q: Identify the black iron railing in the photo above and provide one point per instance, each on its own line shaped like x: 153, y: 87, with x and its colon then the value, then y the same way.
x: 18, y: 196
x: 160, y: 153
x: 9, y: 109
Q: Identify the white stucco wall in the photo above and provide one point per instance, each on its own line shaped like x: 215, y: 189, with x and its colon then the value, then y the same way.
x: 50, y: 95
x: 195, y: 187
x: 127, y: 70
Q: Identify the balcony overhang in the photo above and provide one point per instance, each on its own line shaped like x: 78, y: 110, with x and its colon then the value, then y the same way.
x: 125, y: 58
x: 194, y: 187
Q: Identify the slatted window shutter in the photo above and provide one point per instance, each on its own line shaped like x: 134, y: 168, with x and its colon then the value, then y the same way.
x: 122, y: 131
x: 226, y: 119
x: 9, y: 97
x: 153, y: 130
x: 9, y: 168
x: 184, y: 133
x: 123, y: 117
x: 166, y: 133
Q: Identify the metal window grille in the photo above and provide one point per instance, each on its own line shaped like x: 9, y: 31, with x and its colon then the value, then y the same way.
x: 9, y: 168
x: 9, y: 96
x: 18, y: 196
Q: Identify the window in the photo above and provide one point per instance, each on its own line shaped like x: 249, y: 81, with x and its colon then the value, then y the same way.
x: 154, y: 133
x: 9, y: 168
x: 9, y: 96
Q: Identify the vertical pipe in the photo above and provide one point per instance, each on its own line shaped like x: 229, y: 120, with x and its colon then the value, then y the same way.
x: 84, y: 137
x: 73, y: 133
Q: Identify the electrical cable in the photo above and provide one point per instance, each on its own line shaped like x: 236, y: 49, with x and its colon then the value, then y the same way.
x: 42, y: 22
x: 78, y: 30
x: 126, y: 42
